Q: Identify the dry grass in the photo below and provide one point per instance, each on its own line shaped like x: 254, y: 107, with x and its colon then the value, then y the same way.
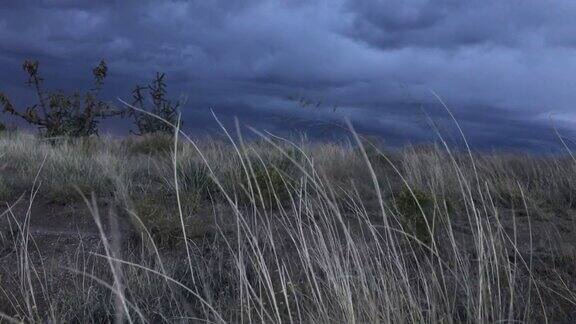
x: 286, y: 232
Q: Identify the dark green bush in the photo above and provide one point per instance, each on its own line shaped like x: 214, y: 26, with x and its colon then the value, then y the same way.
x: 409, y: 205
x: 194, y: 178
x: 149, y: 119
x: 270, y: 181
x: 58, y: 114
x: 158, y: 213
x: 151, y: 144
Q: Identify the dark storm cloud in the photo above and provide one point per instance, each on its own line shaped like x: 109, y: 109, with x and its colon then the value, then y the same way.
x: 450, y: 24
x: 502, y: 66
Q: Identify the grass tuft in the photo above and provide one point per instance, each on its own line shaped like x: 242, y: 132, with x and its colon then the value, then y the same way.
x: 276, y: 231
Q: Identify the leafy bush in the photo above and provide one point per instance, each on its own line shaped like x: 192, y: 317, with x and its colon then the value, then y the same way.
x: 60, y: 114
x: 409, y: 205
x: 7, y: 130
x: 159, y: 215
x: 271, y: 182
x: 195, y: 178
x: 374, y: 147
x: 151, y: 144
x: 147, y: 119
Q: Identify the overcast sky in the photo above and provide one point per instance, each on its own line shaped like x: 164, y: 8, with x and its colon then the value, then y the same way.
x: 506, y: 68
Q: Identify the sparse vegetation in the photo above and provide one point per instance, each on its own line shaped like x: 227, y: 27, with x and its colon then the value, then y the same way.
x: 162, y: 116
x: 282, y: 232
x: 414, y: 208
x: 154, y: 228
x: 58, y: 114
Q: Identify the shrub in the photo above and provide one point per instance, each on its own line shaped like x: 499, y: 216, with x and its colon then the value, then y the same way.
x: 6, y: 130
x: 147, y: 120
x: 195, y: 178
x: 7, y: 237
x: 151, y: 144
x: 374, y: 147
x: 414, y: 222
x: 271, y: 182
x: 60, y: 114
x: 160, y: 217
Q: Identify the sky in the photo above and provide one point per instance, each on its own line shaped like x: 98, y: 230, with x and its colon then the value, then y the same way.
x: 506, y: 70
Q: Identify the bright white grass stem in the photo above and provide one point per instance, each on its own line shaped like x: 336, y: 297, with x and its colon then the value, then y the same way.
x: 10, y: 319
x: 352, y: 290
x: 115, y: 270
x: 25, y: 266
x: 114, y: 288
x: 326, y: 252
x: 337, y: 214
x: 164, y: 276
x: 351, y: 278
x: 179, y: 202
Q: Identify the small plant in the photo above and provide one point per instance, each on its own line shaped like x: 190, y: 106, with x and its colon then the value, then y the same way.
x: 147, y: 120
x: 58, y: 114
x: 269, y: 181
x: 410, y: 205
x: 194, y: 178
x: 160, y: 218
x: 374, y: 148
x: 151, y: 144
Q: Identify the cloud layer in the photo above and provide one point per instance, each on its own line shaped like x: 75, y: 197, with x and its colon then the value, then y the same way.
x: 503, y: 67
